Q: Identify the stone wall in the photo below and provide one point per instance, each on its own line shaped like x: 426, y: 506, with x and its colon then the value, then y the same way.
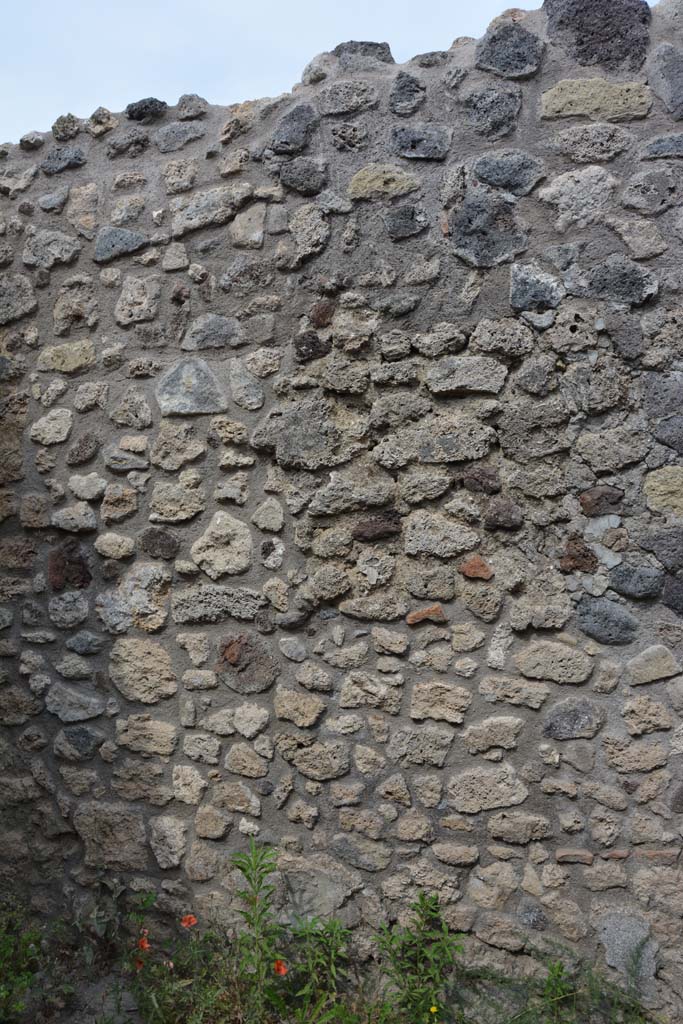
x: 342, y: 501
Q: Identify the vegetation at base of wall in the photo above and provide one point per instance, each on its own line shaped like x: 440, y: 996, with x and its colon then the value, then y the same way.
x: 302, y: 973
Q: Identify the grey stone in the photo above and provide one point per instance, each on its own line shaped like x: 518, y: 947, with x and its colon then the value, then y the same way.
x: 421, y: 141
x: 465, y: 375
x: 670, y: 433
x: 664, y: 147
x: 593, y: 143
x: 606, y: 621
x: 16, y: 297
x: 637, y: 581
x: 485, y: 231
x: 177, y: 135
x: 190, y: 388
x: 510, y: 50
x: 533, y: 288
x: 46, y: 248
x: 73, y: 705
x: 190, y: 106
x: 213, y: 603
x: 627, y: 943
x: 346, y: 97
x: 131, y: 141
x: 211, y: 330
x: 665, y: 76
x: 213, y: 206
x: 113, y: 242
x: 246, y: 390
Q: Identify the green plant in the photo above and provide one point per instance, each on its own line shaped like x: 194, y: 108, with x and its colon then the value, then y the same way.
x: 320, y: 958
x: 260, y: 943
x: 19, y: 963
x: 416, y: 960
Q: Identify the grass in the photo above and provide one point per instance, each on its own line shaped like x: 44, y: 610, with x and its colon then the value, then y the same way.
x: 266, y: 973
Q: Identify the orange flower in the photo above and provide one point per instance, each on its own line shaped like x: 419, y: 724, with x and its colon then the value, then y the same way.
x: 189, y: 921
x: 143, y: 943
x: 280, y: 967
x: 139, y: 964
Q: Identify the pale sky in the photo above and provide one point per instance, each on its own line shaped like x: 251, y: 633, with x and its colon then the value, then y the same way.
x: 75, y: 55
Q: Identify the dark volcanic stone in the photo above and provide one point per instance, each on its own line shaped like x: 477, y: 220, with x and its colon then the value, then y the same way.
x: 672, y: 595
x: 112, y: 242
x: 606, y: 621
x: 601, y: 500
x: 294, y: 131
x: 78, y: 742
x: 310, y: 345
x: 354, y: 51
x: 637, y: 581
x: 407, y: 94
x: 670, y: 433
x: 510, y: 51
x: 625, y: 333
x: 83, y: 450
x: 613, y: 34
x: 84, y: 642
x: 662, y: 393
x: 481, y: 480
x: 677, y: 800
x: 304, y: 175
x: 573, y: 719
x: 421, y: 141
x: 246, y: 665
x: 503, y: 514
x: 619, y: 279
x: 405, y: 221
x: 159, y: 543
x: 666, y: 78
x: 485, y: 232
x: 493, y: 109
x: 512, y: 170
x: 149, y: 109
x: 531, y: 915
x: 63, y: 158
x: 388, y: 524
x: 67, y: 566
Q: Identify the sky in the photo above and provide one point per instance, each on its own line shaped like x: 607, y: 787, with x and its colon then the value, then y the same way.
x: 75, y: 55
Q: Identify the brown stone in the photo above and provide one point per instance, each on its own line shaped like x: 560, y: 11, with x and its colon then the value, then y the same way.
x: 578, y: 557
x: 434, y: 613
x: 67, y: 566
x: 475, y: 568
x: 601, y: 500
x: 566, y: 855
